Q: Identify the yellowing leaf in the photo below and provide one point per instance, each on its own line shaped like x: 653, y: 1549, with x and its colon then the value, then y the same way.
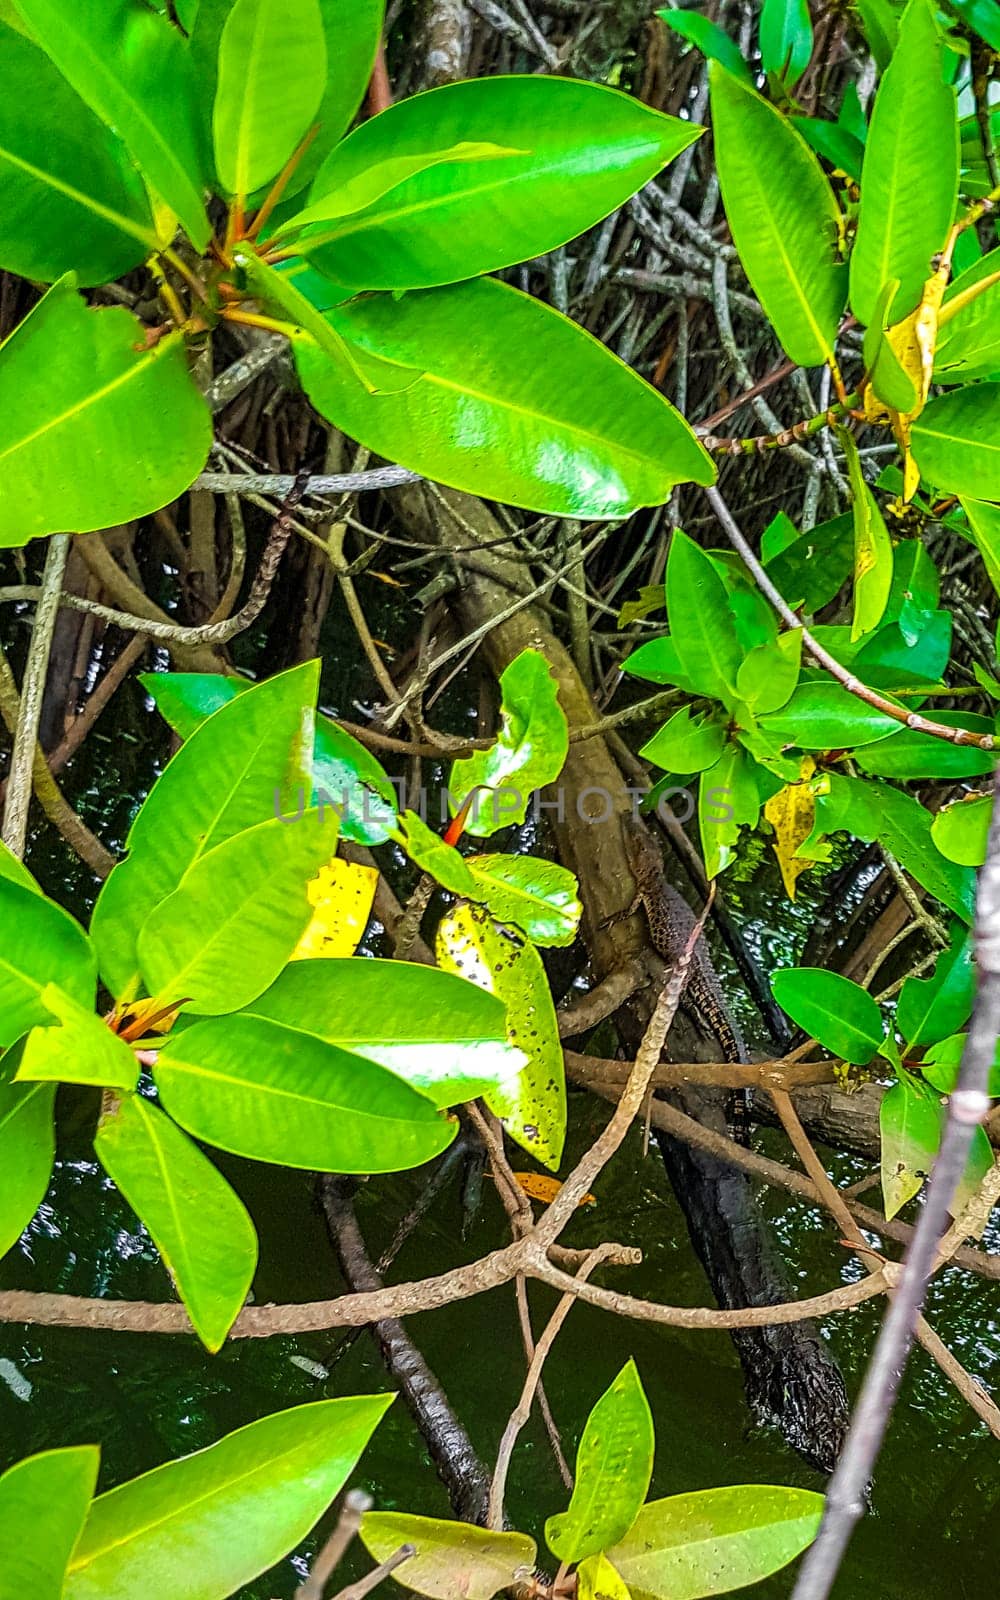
x: 538, y: 1187
x: 341, y: 895
x: 792, y: 813
x: 913, y: 342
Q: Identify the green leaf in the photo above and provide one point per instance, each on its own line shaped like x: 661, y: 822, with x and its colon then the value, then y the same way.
x: 821, y: 715
x: 911, y: 1121
x: 444, y: 1036
x: 198, y: 1223
x: 532, y: 1107
x: 960, y: 830
x: 889, y: 379
x: 658, y: 661
x: 273, y: 1093
x: 15, y: 871
x: 225, y: 778
x: 49, y: 947
x: 257, y: 124
x: 942, y: 1062
x: 768, y: 676
x: 714, y: 1540
x: 956, y: 441
x: 880, y: 20
x: 82, y: 1049
x: 810, y: 570
x: 697, y: 605
x: 931, y: 1008
x: 69, y: 198
x: 132, y: 68
x: 983, y: 16
x: 872, y: 810
x: 729, y: 799
x: 597, y: 1579
x: 872, y: 547
x: 75, y: 389
x: 984, y: 528
x: 537, y: 896
x: 614, y: 1464
x: 453, y: 1560
x: 686, y: 743
x: 916, y: 589
x: 841, y: 1015
x: 784, y: 218
x: 266, y: 1485
x: 909, y: 182
x: 434, y: 855
x: 583, y: 150
x: 841, y: 148
x: 27, y: 1151
x: 968, y: 340
x: 786, y: 39
x: 43, y: 1504
x: 344, y: 773
x: 235, y: 917
x: 529, y: 751
x: 713, y: 41
x: 909, y: 754
x: 531, y: 411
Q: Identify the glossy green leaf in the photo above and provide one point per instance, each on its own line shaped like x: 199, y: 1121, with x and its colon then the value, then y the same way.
x: 841, y: 1015
x: 198, y: 1223
x: 916, y: 589
x: 225, y: 778
x: 257, y: 124
x: 453, y: 1560
x: 697, y: 606
x: 43, y: 1504
x: 531, y: 411
x: 75, y: 389
x: 984, y: 527
x: 873, y: 810
x: 942, y: 1062
x: 768, y: 676
x: 983, y: 16
x: 810, y: 570
x: 872, y: 547
x: 956, y: 441
x: 837, y: 145
x: 529, y: 751
x: 435, y: 856
x: 14, y: 870
x: 133, y: 69
x: 82, y: 1049
x: 713, y: 41
x: 444, y: 1036
x: 686, y: 743
x: 532, y: 1107
x: 931, y: 1008
x: 27, y: 1151
x: 786, y: 39
x: 714, y: 1540
x: 784, y: 218
x: 41, y: 944
x: 378, y: 183
x: 274, y: 1093
x: 909, y: 181
x: 344, y: 773
x: 728, y: 799
x: 821, y: 715
x: 909, y: 754
x: 584, y: 150
x: 968, y: 340
x: 960, y: 830
x: 236, y: 916
x: 537, y: 896
x: 201, y: 1527
x: 880, y: 20
x: 658, y: 661
x: 68, y: 197
x: 911, y: 1121
x: 614, y: 1464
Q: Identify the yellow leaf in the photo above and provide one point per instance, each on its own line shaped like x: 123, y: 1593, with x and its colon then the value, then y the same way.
x: 341, y: 896
x: 136, y: 1018
x: 791, y: 813
x: 538, y: 1187
x: 913, y: 343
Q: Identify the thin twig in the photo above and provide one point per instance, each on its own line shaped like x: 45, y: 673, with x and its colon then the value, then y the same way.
x: 356, y: 1503
x: 22, y: 760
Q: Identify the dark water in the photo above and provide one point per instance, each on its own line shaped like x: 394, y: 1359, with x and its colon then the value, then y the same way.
x: 935, y: 1525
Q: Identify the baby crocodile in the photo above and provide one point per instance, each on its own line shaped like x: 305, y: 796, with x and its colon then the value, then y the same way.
x: 670, y: 922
